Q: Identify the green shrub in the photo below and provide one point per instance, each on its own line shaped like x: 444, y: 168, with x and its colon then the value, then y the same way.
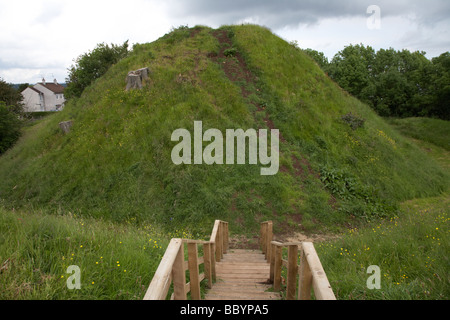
x: 353, y: 121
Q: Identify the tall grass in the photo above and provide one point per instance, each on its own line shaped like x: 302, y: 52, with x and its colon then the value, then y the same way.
x: 116, y: 261
x: 411, y: 251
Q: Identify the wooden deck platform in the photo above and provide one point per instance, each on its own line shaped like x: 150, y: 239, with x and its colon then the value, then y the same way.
x: 242, y: 275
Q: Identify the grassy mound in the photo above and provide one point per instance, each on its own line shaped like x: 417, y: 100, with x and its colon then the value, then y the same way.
x: 339, y: 161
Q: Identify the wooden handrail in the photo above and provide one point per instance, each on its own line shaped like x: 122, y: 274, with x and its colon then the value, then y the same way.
x: 172, y: 268
x: 310, y: 271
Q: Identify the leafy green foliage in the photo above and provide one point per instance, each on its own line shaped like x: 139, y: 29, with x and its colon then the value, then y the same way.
x: 92, y: 65
x: 10, y: 126
x: 230, y: 52
x: 11, y: 97
x: 393, y: 83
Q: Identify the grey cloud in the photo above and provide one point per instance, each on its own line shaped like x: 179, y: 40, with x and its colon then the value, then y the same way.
x: 281, y: 13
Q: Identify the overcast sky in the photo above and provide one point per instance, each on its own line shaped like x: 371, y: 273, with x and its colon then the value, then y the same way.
x: 41, y: 38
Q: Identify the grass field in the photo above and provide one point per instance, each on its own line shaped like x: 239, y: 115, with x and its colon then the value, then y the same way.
x: 411, y: 251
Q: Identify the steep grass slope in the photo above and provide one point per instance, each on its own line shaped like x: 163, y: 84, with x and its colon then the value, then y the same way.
x: 338, y: 160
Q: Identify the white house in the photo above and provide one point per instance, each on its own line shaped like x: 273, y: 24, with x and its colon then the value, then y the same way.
x: 44, y: 96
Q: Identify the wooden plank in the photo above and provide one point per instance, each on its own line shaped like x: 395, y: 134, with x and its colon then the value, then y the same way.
x: 193, y: 271
x: 244, y: 295
x: 238, y: 286
x: 263, y: 276
x: 243, y: 267
x: 160, y: 283
x: 321, y: 286
x: 256, y: 260
x: 244, y: 271
x: 195, y: 241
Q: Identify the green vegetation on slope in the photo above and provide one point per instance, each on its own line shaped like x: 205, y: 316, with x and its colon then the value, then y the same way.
x: 115, y: 163
x: 433, y: 131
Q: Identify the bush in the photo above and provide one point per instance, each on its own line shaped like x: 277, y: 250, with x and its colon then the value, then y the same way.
x: 353, y: 121
x: 230, y: 52
x: 93, y: 65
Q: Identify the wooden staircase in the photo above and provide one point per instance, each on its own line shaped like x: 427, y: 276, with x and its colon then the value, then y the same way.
x: 239, y: 274
x: 242, y: 275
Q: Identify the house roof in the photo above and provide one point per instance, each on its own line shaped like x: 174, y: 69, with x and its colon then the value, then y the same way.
x: 34, y: 89
x: 54, y: 87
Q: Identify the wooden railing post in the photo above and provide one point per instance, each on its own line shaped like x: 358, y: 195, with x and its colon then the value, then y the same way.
x: 225, y: 237
x: 277, y: 263
x: 304, y: 278
x: 172, y: 268
x: 272, y: 262
x: 160, y: 283
x: 207, y: 263
x: 193, y: 271
x: 266, y: 236
x: 263, y: 237
x: 213, y: 261
x: 269, y: 237
x: 292, y: 271
x: 320, y: 284
x: 219, y: 243
x: 179, y: 275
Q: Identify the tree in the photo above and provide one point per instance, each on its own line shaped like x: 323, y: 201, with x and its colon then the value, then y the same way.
x: 11, y: 97
x: 393, y: 83
x: 92, y: 65
x: 352, y: 69
x: 441, y: 86
x: 10, y: 126
x: 319, y: 57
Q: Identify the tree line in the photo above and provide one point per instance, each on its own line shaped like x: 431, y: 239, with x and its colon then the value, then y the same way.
x: 394, y: 83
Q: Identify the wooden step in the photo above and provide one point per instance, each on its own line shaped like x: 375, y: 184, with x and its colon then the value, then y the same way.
x: 242, y: 275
